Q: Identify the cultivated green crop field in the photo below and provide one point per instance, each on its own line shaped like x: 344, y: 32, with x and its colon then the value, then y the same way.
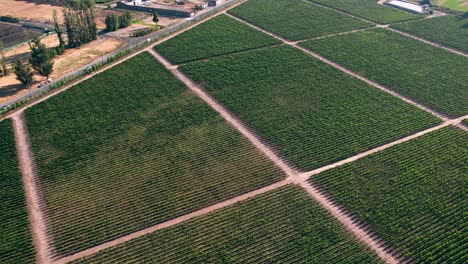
x: 296, y: 19
x: 15, y: 239
x: 218, y: 36
x: 434, y: 77
x: 412, y: 195
x: 369, y: 9
x: 283, y: 225
x: 311, y: 113
x: 132, y: 147
x: 448, y: 30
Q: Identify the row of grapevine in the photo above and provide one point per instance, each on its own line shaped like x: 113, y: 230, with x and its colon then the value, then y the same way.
x: 296, y: 19
x: 218, y: 36
x: 130, y: 148
x: 16, y: 241
x: 427, y: 74
x: 281, y: 226
x: 369, y: 9
x: 412, y: 195
x: 448, y: 30
x: 309, y: 112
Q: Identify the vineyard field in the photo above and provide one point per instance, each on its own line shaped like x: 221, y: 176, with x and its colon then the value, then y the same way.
x: 292, y: 19
x: 217, y: 36
x: 434, y: 77
x: 448, y: 30
x: 284, y: 224
x: 309, y: 112
x: 369, y: 9
x: 412, y: 195
x: 130, y: 148
x: 16, y: 241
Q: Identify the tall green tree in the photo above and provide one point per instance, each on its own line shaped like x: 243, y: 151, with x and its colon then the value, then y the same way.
x: 61, y: 48
x: 155, y: 17
x: 24, y: 73
x: 125, y: 20
x: 41, y: 59
x: 112, y: 22
x: 79, y: 16
x: 3, y: 68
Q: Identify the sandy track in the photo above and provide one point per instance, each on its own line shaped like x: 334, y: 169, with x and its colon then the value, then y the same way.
x: 224, y: 113
x: 435, y: 44
x: 341, y: 12
x: 32, y: 191
x: 359, y: 232
x: 387, y: 26
x: 345, y: 70
x: 40, y: 238
x: 455, y: 122
x: 173, y: 222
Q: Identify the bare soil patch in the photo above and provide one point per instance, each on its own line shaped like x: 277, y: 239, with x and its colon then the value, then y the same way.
x: 50, y: 41
x: 13, y: 34
x: 73, y: 59
x: 39, y: 10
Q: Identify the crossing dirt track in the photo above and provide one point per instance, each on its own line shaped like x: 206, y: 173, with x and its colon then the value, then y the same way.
x: 155, y: 155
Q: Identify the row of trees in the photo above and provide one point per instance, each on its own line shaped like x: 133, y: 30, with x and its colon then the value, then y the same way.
x: 40, y: 63
x: 114, y: 22
x: 80, y: 22
x: 80, y: 26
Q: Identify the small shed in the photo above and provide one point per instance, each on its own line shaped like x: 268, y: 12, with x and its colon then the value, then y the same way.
x: 214, y: 2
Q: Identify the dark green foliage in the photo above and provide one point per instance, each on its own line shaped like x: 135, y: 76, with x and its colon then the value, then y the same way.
x: 41, y: 59
x: 217, y: 36
x: 16, y: 242
x: 80, y: 22
x: 132, y: 147
x: 9, y: 19
x: 370, y: 10
x: 412, y: 195
x: 434, y: 77
x: 24, y: 73
x: 155, y: 17
x: 308, y: 111
x: 61, y: 48
x: 143, y: 32
x: 295, y: 19
x: 3, y: 67
x: 448, y: 30
x: 112, y: 22
x: 125, y: 20
x: 282, y: 226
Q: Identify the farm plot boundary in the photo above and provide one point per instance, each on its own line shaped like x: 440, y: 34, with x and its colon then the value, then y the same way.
x: 446, y: 120
x: 354, y: 74
x: 395, y: 27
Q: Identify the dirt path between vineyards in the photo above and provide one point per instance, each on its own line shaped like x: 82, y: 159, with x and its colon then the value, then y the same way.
x: 454, y: 122
x: 388, y: 27
x: 435, y: 44
x: 345, y: 70
x: 172, y: 222
x: 359, y: 232
x: 32, y: 191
